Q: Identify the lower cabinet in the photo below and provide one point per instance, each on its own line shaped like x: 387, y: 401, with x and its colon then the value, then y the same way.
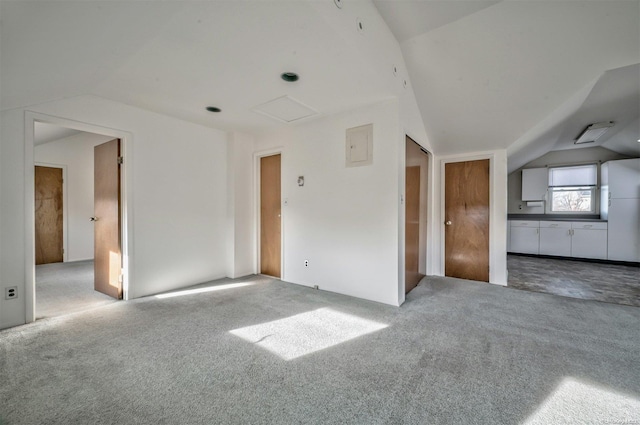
x: 524, y: 236
x: 555, y: 238
x: 579, y: 239
x: 589, y: 240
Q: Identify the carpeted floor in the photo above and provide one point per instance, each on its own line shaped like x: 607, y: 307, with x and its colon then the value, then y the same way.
x: 63, y: 288
x: 260, y: 351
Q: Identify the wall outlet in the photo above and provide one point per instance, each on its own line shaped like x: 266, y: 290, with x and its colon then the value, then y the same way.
x: 10, y: 292
x: 306, y: 263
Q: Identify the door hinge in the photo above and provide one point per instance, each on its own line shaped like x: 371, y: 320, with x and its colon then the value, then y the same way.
x: 120, y: 160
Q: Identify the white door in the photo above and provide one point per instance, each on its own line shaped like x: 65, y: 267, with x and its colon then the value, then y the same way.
x: 524, y: 240
x: 555, y: 238
x: 624, y: 178
x: 624, y: 230
x: 588, y: 243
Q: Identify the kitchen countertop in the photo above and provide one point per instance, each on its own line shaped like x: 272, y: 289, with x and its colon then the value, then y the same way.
x: 550, y: 217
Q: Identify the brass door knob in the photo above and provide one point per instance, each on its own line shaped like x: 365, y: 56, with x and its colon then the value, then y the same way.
x: 448, y: 222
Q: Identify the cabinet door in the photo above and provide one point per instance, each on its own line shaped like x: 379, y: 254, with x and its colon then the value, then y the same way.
x: 624, y: 230
x: 535, y: 182
x: 524, y: 240
x: 589, y: 243
x: 624, y: 178
x: 555, y: 239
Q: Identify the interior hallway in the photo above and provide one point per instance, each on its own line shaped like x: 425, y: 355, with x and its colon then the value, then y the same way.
x: 611, y: 283
x: 63, y: 288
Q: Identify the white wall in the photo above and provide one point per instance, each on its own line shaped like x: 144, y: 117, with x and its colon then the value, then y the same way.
x: 563, y: 157
x: 175, y: 198
x: 241, y: 229
x: 343, y: 220
x: 76, y: 153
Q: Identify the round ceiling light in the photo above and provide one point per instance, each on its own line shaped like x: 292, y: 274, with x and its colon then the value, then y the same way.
x: 213, y: 109
x: 289, y: 77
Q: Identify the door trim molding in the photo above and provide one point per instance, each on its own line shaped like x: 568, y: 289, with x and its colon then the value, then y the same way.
x: 256, y: 195
x: 65, y: 204
x: 126, y: 200
x: 497, y: 210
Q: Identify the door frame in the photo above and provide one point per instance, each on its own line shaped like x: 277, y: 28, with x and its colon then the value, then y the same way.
x: 126, y: 200
x: 430, y: 192
x: 256, y: 195
x: 65, y: 217
x: 497, y: 211
x: 426, y: 221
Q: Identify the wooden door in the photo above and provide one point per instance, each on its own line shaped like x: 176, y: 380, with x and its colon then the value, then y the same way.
x: 106, y: 196
x: 415, y: 250
x: 467, y: 220
x: 412, y: 228
x: 270, y: 231
x: 48, y: 224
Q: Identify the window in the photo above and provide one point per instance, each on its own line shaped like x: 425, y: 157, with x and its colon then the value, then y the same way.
x: 573, y: 189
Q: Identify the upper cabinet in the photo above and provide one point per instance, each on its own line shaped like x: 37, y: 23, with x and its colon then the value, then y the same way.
x: 621, y: 179
x: 535, y: 182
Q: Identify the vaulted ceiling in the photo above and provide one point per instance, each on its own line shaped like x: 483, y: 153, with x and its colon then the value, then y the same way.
x: 523, y: 75
x: 526, y: 76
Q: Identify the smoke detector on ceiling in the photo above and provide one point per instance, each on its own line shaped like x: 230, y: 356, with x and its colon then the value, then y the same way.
x: 593, y: 132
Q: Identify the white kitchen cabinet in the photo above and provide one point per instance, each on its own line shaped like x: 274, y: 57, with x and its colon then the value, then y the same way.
x: 589, y: 240
x: 621, y: 178
x: 555, y: 238
x: 620, y: 205
x: 624, y: 230
x: 524, y: 236
x: 535, y: 182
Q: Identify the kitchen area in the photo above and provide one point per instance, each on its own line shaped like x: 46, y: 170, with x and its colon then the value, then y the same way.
x: 574, y: 227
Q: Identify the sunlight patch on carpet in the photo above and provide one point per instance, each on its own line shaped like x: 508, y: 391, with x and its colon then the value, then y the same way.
x: 307, y: 333
x: 206, y: 289
x: 576, y: 402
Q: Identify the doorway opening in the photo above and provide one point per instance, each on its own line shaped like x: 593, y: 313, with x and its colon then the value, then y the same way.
x: 416, y: 184
x: 73, y: 237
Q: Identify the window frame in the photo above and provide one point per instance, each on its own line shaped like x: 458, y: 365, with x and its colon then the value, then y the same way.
x: 594, y: 189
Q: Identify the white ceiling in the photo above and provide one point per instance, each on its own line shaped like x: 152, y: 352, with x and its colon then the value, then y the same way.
x: 45, y: 133
x: 178, y: 57
x: 486, y: 74
x: 495, y: 74
x: 409, y: 18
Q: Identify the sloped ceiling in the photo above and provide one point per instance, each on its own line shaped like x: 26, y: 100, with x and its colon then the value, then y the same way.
x: 45, y: 133
x: 508, y: 74
x: 177, y: 57
x: 486, y: 74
